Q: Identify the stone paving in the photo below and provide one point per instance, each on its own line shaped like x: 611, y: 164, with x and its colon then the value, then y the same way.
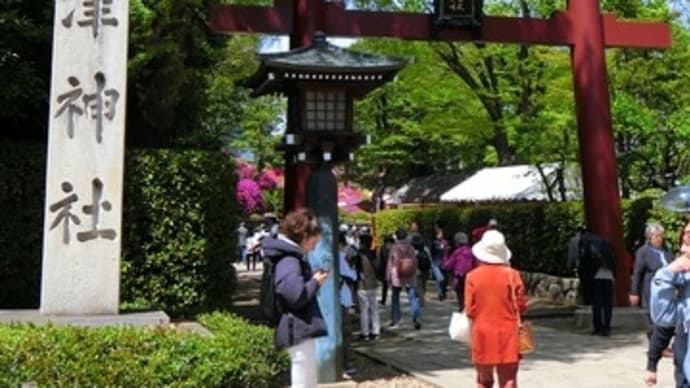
x: 564, y: 358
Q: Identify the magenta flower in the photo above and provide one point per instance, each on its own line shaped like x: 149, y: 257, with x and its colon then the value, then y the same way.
x: 249, y: 196
x: 268, y: 180
x: 349, y: 197
x: 245, y: 170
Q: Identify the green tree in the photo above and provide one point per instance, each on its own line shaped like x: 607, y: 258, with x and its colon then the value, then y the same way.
x: 25, y: 48
x: 172, y: 50
x: 424, y: 122
x: 509, y: 80
x: 460, y: 106
x: 173, y: 75
x: 650, y: 104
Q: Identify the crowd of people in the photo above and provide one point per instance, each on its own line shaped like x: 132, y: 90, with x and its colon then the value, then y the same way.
x: 659, y: 285
x: 404, y: 262
x: 476, y: 266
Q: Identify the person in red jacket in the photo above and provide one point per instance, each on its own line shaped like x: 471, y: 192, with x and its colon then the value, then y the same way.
x: 478, y: 232
x: 494, y: 312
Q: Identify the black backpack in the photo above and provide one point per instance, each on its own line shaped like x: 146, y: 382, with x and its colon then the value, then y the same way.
x: 423, y: 259
x: 270, y: 305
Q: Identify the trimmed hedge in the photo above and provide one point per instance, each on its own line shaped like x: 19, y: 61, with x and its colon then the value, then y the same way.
x: 178, y: 223
x: 537, y: 233
x: 180, y: 216
x: 238, y: 355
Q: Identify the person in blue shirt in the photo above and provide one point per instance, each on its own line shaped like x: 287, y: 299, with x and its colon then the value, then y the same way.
x: 670, y: 308
x: 348, y: 278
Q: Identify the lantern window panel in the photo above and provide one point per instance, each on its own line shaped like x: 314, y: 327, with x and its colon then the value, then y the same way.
x: 325, y: 110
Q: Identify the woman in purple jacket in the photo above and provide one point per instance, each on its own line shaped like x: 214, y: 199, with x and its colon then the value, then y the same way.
x: 296, y: 287
x: 458, y: 264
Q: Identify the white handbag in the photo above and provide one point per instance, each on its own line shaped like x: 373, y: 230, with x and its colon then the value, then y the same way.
x: 459, y: 328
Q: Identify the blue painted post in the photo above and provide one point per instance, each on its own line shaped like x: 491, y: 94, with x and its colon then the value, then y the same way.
x: 322, y: 197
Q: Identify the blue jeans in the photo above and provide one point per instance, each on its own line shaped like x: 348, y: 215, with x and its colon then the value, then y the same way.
x: 415, y: 309
x: 680, y: 345
x: 243, y: 253
x: 437, y: 274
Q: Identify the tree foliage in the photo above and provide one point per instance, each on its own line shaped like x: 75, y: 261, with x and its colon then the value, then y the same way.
x: 419, y: 124
x: 650, y: 105
x: 182, y: 77
x: 461, y: 106
x: 176, y: 79
x: 456, y: 108
x: 25, y: 49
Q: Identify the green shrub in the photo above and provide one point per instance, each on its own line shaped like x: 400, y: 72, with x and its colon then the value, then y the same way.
x: 672, y: 222
x: 537, y: 233
x: 238, y: 355
x: 179, y: 218
x: 355, y: 218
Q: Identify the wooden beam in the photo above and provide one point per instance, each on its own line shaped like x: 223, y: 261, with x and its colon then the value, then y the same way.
x: 556, y: 30
x: 276, y: 20
x: 635, y: 34
x: 415, y: 26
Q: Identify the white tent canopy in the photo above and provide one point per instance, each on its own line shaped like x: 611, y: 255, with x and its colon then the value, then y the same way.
x: 513, y: 183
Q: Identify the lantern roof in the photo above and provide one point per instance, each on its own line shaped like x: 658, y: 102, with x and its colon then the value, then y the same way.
x: 326, y: 63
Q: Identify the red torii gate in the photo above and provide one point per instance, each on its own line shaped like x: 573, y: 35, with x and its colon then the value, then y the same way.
x: 582, y: 27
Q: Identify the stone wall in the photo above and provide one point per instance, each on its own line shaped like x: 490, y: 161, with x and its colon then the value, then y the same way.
x: 551, y: 289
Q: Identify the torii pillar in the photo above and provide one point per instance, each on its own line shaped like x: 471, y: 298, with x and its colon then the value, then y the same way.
x: 582, y: 26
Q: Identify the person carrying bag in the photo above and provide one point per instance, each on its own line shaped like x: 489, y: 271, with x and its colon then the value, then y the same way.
x: 494, y: 299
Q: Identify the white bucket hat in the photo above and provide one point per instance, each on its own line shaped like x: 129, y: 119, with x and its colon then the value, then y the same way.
x: 492, y: 248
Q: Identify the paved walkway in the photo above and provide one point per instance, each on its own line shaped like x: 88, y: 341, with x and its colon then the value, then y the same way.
x: 563, y: 357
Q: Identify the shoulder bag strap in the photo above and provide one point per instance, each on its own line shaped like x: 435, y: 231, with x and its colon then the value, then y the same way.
x: 513, y: 296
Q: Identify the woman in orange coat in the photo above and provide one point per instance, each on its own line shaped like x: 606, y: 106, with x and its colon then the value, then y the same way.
x: 493, y: 293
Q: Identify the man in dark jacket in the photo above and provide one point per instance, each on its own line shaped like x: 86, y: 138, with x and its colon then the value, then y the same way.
x: 648, y: 259
x: 581, y: 264
x: 599, y: 253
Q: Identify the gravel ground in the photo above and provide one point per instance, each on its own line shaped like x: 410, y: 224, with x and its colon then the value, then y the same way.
x: 370, y: 373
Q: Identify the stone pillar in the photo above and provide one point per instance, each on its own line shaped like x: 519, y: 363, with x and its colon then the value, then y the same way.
x: 83, y: 209
x: 322, y: 197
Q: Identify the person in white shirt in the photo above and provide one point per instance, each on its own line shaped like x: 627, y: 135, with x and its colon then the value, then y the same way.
x: 254, y: 247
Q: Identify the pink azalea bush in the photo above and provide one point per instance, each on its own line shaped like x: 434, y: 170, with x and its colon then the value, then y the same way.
x: 245, y: 170
x: 268, y: 179
x: 257, y: 190
x: 249, y: 196
x: 348, y: 198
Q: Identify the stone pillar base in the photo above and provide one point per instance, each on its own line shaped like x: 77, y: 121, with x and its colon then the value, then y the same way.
x: 149, y: 318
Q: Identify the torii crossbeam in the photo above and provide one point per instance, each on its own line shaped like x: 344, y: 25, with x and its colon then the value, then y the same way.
x: 582, y: 27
